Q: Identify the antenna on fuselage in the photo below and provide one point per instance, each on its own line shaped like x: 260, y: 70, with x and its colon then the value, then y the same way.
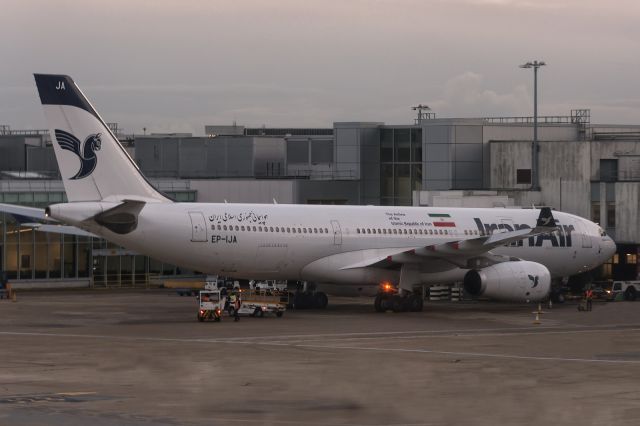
x: 274, y: 201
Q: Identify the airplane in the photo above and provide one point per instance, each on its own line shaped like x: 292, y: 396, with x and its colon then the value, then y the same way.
x: 504, y: 254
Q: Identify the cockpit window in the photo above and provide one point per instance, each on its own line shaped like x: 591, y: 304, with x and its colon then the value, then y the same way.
x: 602, y: 233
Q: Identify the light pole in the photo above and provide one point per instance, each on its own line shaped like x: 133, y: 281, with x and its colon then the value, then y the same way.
x: 535, y: 181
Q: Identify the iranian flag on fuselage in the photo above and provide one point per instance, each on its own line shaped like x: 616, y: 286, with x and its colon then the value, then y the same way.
x: 442, y: 220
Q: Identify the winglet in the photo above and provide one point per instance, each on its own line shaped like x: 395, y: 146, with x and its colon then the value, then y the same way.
x: 546, y: 220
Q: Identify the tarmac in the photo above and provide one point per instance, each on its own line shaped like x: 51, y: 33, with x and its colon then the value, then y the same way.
x: 141, y: 358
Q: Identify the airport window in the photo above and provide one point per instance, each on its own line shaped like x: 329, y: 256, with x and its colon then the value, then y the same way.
x: 523, y: 176
x: 611, y: 215
x: 608, y: 170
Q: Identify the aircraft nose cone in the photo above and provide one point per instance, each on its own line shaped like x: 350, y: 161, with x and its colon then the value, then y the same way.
x: 609, y: 248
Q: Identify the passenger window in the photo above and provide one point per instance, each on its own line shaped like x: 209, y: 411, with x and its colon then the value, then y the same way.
x: 315, y: 230
x: 293, y: 230
x: 237, y: 228
x: 271, y: 229
x: 288, y: 229
x: 242, y: 228
x: 357, y: 230
x: 326, y: 230
x: 260, y: 228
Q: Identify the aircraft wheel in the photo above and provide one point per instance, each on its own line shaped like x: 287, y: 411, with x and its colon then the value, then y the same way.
x: 200, y: 317
x: 416, y: 303
x: 630, y: 294
x: 398, y: 305
x: 378, y: 303
x: 321, y: 300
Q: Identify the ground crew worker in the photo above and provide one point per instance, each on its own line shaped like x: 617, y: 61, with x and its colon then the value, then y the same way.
x: 589, y: 296
x: 236, y: 310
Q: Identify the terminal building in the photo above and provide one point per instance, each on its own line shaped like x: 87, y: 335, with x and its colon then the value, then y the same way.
x: 586, y: 169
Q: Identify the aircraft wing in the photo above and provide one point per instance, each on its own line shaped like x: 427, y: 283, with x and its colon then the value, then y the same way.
x: 28, y: 212
x: 30, y: 217
x: 457, y: 250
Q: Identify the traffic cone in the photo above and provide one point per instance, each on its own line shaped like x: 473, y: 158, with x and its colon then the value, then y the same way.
x: 537, y: 320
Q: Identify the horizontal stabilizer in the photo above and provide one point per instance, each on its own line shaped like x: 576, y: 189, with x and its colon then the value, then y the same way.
x: 121, y: 219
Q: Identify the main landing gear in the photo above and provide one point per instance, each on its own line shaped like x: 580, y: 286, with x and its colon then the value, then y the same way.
x: 391, y: 299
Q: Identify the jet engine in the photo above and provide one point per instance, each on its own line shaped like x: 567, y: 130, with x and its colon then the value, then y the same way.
x: 519, y: 281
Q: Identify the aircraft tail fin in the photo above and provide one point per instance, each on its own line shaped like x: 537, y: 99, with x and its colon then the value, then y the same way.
x: 93, y: 164
x: 545, y: 219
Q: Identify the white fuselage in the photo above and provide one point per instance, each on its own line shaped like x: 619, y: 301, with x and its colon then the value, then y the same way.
x: 306, y: 242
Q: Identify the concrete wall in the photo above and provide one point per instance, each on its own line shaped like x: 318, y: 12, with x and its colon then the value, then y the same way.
x: 325, y: 192
x: 564, y: 173
x: 244, y: 191
x: 626, y: 152
x: 627, y: 212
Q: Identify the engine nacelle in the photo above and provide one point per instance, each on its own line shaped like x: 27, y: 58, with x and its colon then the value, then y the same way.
x: 519, y: 281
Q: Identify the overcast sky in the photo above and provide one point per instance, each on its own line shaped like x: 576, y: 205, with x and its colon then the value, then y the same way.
x: 178, y: 65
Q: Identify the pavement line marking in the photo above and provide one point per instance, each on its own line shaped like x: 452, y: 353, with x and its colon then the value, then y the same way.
x: 474, y: 354
x: 334, y: 347
x: 541, y: 333
x: 385, y: 333
x: 276, y: 338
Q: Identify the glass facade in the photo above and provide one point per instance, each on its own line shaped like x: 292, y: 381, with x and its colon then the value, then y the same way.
x: 400, y: 165
x: 27, y: 254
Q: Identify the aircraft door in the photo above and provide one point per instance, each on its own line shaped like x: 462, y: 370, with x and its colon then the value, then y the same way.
x: 198, y: 227
x: 337, y: 233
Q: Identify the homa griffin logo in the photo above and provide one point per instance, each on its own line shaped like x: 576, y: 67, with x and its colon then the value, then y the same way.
x: 86, y: 153
x: 559, y: 238
x: 534, y: 280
